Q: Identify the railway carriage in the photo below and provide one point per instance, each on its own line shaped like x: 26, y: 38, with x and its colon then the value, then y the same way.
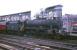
x: 70, y: 25
x: 2, y: 25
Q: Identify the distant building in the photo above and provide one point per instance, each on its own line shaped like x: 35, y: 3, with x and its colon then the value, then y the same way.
x: 70, y: 24
x: 50, y: 12
x: 54, y: 11
x: 17, y: 16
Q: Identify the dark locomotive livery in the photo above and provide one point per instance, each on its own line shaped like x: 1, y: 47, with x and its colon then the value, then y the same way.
x: 33, y: 26
x: 41, y: 26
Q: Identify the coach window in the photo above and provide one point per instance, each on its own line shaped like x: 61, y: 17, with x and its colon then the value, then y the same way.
x: 75, y: 28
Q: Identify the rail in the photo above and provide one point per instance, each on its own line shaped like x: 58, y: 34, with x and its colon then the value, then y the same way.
x: 34, y: 43
x: 7, y: 47
x: 28, y: 45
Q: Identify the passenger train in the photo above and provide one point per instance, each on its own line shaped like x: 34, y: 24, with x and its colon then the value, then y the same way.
x: 70, y: 24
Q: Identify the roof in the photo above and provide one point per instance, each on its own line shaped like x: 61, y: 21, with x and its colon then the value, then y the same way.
x: 16, y: 13
x: 52, y: 7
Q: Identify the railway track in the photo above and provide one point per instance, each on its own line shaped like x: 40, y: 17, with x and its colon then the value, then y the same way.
x: 8, y: 47
x: 26, y: 45
x: 34, y: 43
x: 2, y: 48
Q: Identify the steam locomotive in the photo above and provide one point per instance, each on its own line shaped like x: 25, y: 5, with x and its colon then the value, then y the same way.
x: 32, y: 26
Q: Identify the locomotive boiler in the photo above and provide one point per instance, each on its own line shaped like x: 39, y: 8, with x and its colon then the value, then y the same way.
x: 42, y: 26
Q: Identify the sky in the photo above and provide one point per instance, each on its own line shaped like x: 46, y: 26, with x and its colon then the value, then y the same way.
x: 16, y: 6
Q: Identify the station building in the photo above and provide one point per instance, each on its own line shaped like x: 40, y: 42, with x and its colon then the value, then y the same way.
x: 55, y: 13
x: 22, y: 16
x: 14, y: 21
